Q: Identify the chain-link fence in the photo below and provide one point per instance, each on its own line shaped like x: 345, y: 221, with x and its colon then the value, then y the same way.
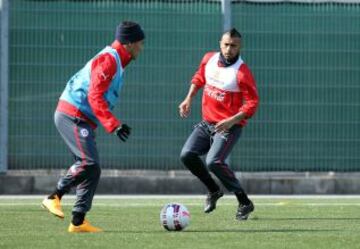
x: 305, y: 58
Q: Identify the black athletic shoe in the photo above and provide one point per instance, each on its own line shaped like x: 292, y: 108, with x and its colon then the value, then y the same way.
x: 211, y: 199
x: 244, y: 211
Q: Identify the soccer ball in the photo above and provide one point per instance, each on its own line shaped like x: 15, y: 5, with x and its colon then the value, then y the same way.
x: 174, y: 217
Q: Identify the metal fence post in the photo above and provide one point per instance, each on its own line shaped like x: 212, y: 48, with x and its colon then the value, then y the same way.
x: 4, y: 86
x: 226, y: 13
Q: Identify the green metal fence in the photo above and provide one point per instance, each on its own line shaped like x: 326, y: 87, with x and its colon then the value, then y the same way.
x: 305, y: 58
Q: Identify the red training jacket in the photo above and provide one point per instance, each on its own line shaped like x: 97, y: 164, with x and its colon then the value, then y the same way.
x: 227, y: 91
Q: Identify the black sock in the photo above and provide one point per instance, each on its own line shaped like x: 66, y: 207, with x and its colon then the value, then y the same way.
x: 242, y: 198
x: 210, y: 183
x: 57, y: 192
x: 78, y: 218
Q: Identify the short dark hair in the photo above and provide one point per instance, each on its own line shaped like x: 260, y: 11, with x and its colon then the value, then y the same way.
x: 233, y: 33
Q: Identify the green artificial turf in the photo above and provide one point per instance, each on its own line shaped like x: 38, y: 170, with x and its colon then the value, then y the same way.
x: 133, y: 222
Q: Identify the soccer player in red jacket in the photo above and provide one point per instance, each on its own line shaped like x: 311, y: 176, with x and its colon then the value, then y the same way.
x: 87, y: 101
x: 229, y: 98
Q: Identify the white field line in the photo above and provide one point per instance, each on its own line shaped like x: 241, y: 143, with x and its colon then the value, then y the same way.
x: 195, y: 200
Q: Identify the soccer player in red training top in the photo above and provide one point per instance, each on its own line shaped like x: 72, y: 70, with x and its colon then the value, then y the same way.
x: 87, y: 101
x: 229, y: 99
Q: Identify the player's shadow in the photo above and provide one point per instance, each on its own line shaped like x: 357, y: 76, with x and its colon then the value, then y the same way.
x: 244, y: 230
x: 272, y: 230
x: 306, y: 218
x: 232, y: 230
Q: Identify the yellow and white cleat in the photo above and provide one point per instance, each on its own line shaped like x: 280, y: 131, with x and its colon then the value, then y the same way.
x: 54, y: 206
x: 85, y: 227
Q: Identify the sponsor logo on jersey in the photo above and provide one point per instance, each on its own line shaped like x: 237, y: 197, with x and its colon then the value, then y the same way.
x: 214, y: 93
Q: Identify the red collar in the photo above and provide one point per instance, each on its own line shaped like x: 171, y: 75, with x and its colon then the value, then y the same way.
x: 125, y: 56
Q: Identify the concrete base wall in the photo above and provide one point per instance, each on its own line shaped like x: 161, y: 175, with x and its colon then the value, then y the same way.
x: 181, y: 182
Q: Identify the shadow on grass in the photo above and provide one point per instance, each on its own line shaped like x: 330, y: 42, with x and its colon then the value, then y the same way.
x: 229, y: 231
x: 306, y: 218
x: 264, y: 231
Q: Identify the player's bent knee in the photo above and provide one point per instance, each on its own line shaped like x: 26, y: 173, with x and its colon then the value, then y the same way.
x: 187, y: 157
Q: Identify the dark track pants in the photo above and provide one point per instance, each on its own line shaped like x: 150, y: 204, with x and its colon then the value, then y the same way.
x: 84, y: 174
x: 218, y: 146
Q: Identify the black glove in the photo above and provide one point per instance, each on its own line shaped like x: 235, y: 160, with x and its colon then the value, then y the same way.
x: 123, y: 132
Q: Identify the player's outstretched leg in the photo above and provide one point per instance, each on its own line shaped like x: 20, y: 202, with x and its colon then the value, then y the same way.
x: 244, y: 211
x: 53, y: 205
x: 211, y: 199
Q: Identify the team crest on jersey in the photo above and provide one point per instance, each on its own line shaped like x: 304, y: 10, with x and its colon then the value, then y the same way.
x: 72, y: 169
x: 84, y: 132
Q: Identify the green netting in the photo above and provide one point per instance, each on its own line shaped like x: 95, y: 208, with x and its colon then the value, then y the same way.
x: 305, y: 58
